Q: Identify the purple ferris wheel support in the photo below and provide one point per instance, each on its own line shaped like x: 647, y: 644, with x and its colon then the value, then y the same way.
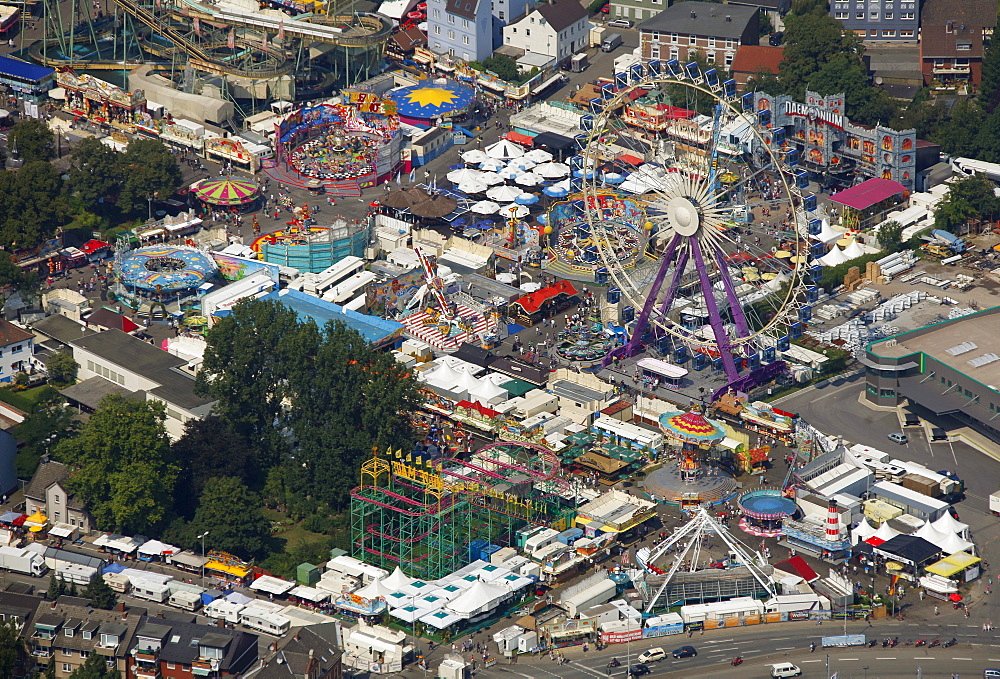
x: 634, y: 345
x: 735, y: 308
x: 675, y: 283
x: 714, y: 317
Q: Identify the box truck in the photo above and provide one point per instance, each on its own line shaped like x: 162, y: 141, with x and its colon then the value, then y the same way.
x: 22, y: 561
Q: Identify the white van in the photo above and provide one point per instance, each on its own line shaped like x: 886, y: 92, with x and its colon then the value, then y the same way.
x: 785, y: 669
x: 652, y: 655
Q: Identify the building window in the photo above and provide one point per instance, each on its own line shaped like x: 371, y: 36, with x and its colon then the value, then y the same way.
x: 87, y: 634
x: 67, y: 667
x: 654, y: 35
x: 730, y: 44
x: 906, y: 34
x: 906, y: 15
x: 17, y: 348
x: 171, y: 666
x: 692, y: 39
x: 873, y: 16
x: 58, y: 517
x: 451, y: 18
x: 84, y: 654
x: 886, y: 393
x: 860, y: 16
x: 711, y: 42
x: 888, y: 34
x: 842, y: 15
x: 710, y: 57
x: 527, y: 32
x: 674, y: 53
x: 889, y: 15
x: 964, y: 62
x: 939, y: 63
x: 465, y: 41
x: 654, y: 52
x: 729, y: 59
x: 673, y: 38
x: 451, y: 35
x: 437, y: 30
x: 963, y: 46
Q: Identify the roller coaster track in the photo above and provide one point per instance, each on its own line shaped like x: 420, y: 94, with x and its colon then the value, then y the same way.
x: 199, y: 55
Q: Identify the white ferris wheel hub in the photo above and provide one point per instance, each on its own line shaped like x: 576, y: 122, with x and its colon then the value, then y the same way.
x: 683, y: 216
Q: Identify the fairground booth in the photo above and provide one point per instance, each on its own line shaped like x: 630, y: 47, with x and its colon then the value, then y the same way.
x: 865, y: 205
x: 30, y: 80
x: 98, y: 100
x: 544, y: 303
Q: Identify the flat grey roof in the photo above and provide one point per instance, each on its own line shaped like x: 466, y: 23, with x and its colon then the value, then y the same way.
x: 575, y: 392
x: 92, y: 390
x: 709, y: 19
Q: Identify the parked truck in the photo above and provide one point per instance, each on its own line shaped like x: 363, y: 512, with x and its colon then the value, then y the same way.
x: 22, y: 561
x: 995, y: 503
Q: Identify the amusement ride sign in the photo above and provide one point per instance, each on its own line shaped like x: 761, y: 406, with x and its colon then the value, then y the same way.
x: 795, y: 108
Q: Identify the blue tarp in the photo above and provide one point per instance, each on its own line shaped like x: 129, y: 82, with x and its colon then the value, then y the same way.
x: 209, y: 597
x: 459, y: 128
x: 113, y: 568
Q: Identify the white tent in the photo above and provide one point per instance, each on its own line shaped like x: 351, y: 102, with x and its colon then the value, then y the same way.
x: 503, y: 194
x: 509, y: 173
x: 485, y: 207
x: 521, y: 164
x: 538, y: 156
x: 474, y: 156
x: 487, y: 392
x: 479, y: 598
x: 443, y: 375
x: 834, y: 257
x: 491, y: 165
x: 472, y: 186
x: 864, y: 531
x: 467, y: 383
x: 374, y: 590
x: 949, y: 524
x: 885, y: 532
x: 504, y: 150
x: 397, y: 580
x: 528, y: 179
x: 157, y: 548
x: 933, y: 536
x: 551, y: 170
x: 952, y: 544
x: 513, y: 210
x: 464, y: 175
x: 492, y: 178
x: 827, y: 234
x: 854, y: 250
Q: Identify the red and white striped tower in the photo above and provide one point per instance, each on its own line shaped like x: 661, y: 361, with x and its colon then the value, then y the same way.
x: 832, y: 522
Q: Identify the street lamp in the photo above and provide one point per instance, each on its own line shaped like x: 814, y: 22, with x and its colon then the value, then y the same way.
x: 202, y: 538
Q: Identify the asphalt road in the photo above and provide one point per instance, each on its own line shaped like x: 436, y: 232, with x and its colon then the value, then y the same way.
x: 787, y: 642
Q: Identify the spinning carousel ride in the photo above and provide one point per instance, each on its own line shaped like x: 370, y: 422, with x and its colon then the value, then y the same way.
x: 577, y: 240
x: 703, y: 179
x: 764, y: 510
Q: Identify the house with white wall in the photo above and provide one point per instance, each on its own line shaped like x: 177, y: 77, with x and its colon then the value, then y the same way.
x: 556, y: 29
x: 461, y: 29
x: 17, y: 346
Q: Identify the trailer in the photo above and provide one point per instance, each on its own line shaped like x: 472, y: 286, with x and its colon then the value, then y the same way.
x: 995, y: 503
x: 23, y: 561
x: 263, y: 619
x: 75, y: 574
x: 189, y: 601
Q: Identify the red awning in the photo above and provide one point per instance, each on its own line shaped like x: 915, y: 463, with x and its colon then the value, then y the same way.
x: 532, y: 302
x: 519, y: 138
x: 799, y: 567
x: 479, y: 408
x: 874, y: 541
x: 92, y: 246
x: 866, y: 194
x: 630, y: 159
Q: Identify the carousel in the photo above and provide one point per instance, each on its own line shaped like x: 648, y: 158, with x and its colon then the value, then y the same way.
x: 576, y: 246
x: 764, y: 511
x: 591, y: 342
x: 168, y: 278
x: 228, y: 192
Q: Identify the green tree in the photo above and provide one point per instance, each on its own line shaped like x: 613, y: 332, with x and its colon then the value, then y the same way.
x: 231, y: 514
x: 811, y: 42
x: 987, y: 143
x: 94, y: 171
x: 62, y: 368
x: 100, y: 594
x: 125, y: 472
x: 209, y: 448
x: 33, y: 140
x: 245, y: 368
x: 12, y: 651
x: 56, y: 588
x: 32, y: 204
x: 505, y: 67
x: 50, y: 417
x: 94, y: 667
x: 148, y: 170
x: 968, y: 200
x: 890, y: 235
x: 956, y: 133
x: 764, y: 81
x: 989, y: 87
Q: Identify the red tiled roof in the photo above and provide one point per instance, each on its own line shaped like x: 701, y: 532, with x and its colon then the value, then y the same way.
x: 10, y: 333
x: 533, y: 301
x: 866, y: 194
x: 753, y: 59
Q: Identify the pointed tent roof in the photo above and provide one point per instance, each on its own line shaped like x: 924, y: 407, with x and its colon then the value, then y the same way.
x: 444, y: 373
x: 374, y: 589
x: 834, y: 257
x: 854, y: 250
x: 932, y: 535
x: 827, y: 234
x: 397, y: 580
x: 949, y: 524
x: 864, y: 531
x: 487, y: 391
x: 467, y: 382
x: 885, y: 532
x: 478, y: 598
x: 952, y: 544
x: 504, y: 150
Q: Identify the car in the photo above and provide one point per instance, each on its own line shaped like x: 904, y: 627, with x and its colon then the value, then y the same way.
x: 685, y: 652
x: 639, y: 670
x: 653, y: 654
x: 897, y: 437
x: 952, y: 498
x: 776, y: 39
x: 606, y: 9
x: 620, y: 23
x: 938, y: 434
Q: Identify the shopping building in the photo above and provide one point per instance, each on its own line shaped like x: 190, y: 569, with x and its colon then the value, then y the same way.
x: 828, y: 142
x: 950, y: 368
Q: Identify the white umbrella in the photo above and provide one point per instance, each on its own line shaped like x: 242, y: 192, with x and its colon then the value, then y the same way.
x: 472, y: 186
x: 465, y: 174
x: 491, y: 165
x: 551, y: 170
x: 538, y: 156
x: 507, y: 278
x: 474, y: 156
x: 491, y: 178
x: 522, y: 164
x: 531, y: 286
x: 504, y: 194
x: 528, y: 179
x: 504, y: 150
x: 510, y: 172
x: 485, y: 207
x: 514, y: 210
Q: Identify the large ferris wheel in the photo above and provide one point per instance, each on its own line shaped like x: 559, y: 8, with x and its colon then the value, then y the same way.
x: 704, y: 290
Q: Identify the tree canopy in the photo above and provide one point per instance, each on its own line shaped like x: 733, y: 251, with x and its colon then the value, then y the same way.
x: 208, y: 449
x: 94, y: 667
x: 62, y: 368
x: 33, y: 140
x: 32, y: 204
x: 125, y: 471
x: 231, y: 514
x: 94, y: 172
x: 12, y: 651
x: 99, y: 593
x: 967, y: 200
x: 148, y: 170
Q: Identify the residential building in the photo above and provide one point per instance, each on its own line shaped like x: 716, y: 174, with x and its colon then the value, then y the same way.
x: 461, y: 29
x: 753, y: 59
x: 506, y: 12
x: 63, y: 634
x: 636, y: 10
x: 689, y: 28
x: 47, y: 493
x: 150, y: 373
x: 17, y: 346
x: 556, y: 29
x: 176, y: 647
x: 307, y: 653
x: 879, y: 20
x: 18, y: 607
x: 952, y: 42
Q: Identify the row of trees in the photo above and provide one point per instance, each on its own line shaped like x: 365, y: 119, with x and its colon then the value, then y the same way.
x: 36, y: 200
x: 299, y: 408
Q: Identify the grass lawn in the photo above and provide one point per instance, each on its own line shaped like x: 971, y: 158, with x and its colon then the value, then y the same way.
x: 291, y: 532
x: 28, y: 399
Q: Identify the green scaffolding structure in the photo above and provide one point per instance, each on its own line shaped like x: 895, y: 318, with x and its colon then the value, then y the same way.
x: 423, y: 516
